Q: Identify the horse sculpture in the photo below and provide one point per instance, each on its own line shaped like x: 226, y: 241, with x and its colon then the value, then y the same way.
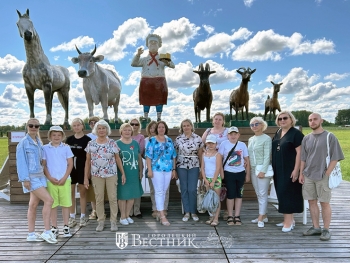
x: 202, y: 96
x: 271, y: 105
x: 38, y: 73
x: 239, y: 98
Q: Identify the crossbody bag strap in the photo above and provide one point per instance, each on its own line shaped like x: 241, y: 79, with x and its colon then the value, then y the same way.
x: 230, y: 152
x: 328, y: 148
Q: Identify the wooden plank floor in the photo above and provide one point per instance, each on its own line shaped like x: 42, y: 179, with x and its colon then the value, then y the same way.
x: 246, y: 243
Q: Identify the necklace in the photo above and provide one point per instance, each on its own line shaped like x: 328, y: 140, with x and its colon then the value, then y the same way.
x: 210, y: 154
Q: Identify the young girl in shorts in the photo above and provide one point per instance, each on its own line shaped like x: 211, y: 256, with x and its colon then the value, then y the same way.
x: 236, y: 171
x: 211, y: 166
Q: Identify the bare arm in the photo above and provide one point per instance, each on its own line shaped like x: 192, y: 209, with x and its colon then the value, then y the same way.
x: 87, y: 170
x: 140, y: 166
x: 301, y: 175
x: 331, y: 166
x: 295, y: 172
x: 120, y: 166
x: 247, y: 169
x: 149, y: 167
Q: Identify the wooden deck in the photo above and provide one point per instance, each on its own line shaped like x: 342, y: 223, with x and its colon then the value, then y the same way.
x: 244, y: 243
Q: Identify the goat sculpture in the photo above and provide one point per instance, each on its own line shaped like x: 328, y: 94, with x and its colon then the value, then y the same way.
x: 239, y: 98
x: 38, y: 73
x: 202, y: 96
x: 271, y: 105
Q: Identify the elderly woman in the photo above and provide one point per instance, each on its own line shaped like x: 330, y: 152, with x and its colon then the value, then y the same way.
x: 102, y: 159
x: 131, y: 187
x: 151, y: 131
x: 259, y: 148
x: 140, y: 139
x: 161, y: 161
x: 31, y: 174
x: 189, y: 151
x: 286, y: 145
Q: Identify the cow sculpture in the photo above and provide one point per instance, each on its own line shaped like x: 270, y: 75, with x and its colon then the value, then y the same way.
x: 38, y: 73
x: 272, y: 104
x: 202, y: 96
x: 99, y: 84
x: 239, y: 98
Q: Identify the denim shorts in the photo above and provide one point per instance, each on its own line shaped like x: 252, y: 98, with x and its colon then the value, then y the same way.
x: 35, y: 183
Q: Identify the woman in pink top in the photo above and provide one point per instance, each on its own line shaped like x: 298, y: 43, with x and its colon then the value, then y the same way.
x: 137, y: 136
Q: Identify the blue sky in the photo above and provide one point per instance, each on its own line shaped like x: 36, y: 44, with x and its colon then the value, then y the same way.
x: 302, y: 43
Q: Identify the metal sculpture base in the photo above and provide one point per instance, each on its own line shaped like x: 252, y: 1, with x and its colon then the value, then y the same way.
x: 202, y: 124
x: 144, y: 123
x: 240, y: 123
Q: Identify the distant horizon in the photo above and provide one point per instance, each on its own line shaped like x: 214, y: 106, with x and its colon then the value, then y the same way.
x: 299, y: 43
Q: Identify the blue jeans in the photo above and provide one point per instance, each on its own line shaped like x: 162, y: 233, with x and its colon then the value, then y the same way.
x: 188, y: 185
x: 159, y: 108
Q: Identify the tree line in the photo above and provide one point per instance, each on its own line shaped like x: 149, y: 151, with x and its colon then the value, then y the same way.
x: 342, y: 118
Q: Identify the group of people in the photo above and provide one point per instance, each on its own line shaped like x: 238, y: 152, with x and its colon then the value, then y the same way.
x: 51, y: 172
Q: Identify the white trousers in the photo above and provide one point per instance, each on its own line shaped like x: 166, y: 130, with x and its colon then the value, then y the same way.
x: 261, y: 187
x: 161, y: 182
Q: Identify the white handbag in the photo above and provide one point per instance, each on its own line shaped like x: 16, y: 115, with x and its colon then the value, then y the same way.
x: 335, y: 177
x: 269, y: 172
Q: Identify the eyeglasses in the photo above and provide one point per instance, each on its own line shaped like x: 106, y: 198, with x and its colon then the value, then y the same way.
x: 255, y: 124
x: 134, y: 124
x: 283, y: 118
x: 33, y: 126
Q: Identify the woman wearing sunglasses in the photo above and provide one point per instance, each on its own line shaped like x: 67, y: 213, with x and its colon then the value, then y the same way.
x: 259, y: 148
x: 31, y: 175
x: 137, y: 136
x: 286, y: 145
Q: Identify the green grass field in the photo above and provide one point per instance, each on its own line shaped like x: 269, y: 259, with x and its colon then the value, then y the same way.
x: 3, y: 150
x: 343, y: 135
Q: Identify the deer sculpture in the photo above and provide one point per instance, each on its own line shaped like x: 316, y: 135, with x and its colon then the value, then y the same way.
x: 272, y: 104
x: 239, y: 98
x: 38, y: 73
x: 202, y: 96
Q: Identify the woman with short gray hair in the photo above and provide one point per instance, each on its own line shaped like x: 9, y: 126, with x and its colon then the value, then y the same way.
x: 102, y: 159
x: 259, y: 148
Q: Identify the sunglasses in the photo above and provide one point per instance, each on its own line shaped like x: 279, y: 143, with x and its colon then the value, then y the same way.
x: 255, y: 124
x: 283, y: 118
x: 33, y: 126
x: 134, y: 124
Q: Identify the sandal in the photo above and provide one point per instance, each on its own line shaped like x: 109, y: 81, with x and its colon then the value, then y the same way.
x: 164, y: 223
x: 230, y: 221
x: 214, y: 223
x: 237, y: 220
x: 208, y: 222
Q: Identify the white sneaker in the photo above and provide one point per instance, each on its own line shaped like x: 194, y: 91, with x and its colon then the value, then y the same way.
x: 124, y: 222
x: 130, y: 220
x: 261, y: 224
x: 72, y: 222
x: 55, y: 231
x: 49, y: 237
x: 100, y: 226
x: 265, y: 220
x: 186, y: 217
x: 282, y: 224
x: 66, y: 231
x: 195, y: 217
x: 83, y: 221
x: 34, y: 238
